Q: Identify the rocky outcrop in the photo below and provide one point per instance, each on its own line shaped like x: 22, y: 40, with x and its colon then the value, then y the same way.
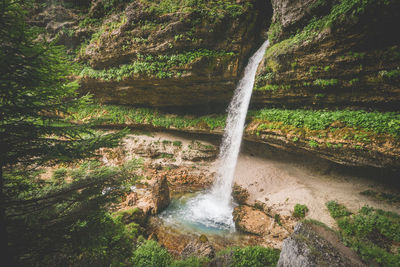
x: 207, y: 78
x: 239, y: 194
x: 331, y: 54
x: 313, y: 245
x: 199, y: 248
x: 253, y: 221
x: 150, y: 197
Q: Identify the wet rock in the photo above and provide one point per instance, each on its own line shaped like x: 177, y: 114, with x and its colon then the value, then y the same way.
x: 313, y: 245
x: 253, y: 221
x: 240, y: 195
x: 151, y: 197
x: 250, y: 220
x: 160, y: 193
x: 199, y: 248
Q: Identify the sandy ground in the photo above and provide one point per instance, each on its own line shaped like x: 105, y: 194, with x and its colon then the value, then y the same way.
x: 282, y: 185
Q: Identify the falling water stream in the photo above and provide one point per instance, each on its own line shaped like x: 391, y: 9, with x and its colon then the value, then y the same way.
x: 212, y: 210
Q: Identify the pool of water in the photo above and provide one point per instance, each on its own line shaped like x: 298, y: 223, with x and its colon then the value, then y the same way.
x: 200, y: 213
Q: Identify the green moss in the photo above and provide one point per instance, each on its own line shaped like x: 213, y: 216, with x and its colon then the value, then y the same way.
x: 378, y: 122
x: 313, y: 144
x: 112, y: 114
x: 214, y: 10
x: 325, y: 83
x: 391, y: 198
x: 161, y: 66
x: 339, y: 13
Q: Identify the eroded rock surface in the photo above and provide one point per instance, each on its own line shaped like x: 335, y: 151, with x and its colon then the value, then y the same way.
x: 199, y: 248
x: 253, y: 221
x: 312, y: 245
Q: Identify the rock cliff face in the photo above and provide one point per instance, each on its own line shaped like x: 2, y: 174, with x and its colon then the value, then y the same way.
x: 180, y: 56
x: 145, y: 55
x: 313, y: 245
x: 331, y: 54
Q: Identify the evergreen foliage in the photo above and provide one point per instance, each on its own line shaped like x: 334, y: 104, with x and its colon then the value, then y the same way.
x: 34, y: 86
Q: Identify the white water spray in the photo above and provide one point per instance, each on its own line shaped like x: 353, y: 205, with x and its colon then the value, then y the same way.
x: 234, y: 128
x: 214, y: 209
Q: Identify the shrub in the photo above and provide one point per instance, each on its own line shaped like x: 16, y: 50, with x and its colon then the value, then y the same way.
x: 151, y: 254
x: 255, y: 256
x: 190, y: 262
x: 369, y: 232
x: 336, y: 210
x: 300, y: 211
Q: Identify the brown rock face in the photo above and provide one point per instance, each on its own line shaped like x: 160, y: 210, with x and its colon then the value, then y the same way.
x: 313, y: 245
x: 345, y: 63
x: 199, y: 249
x: 160, y: 192
x: 289, y: 12
x: 206, y: 81
x: 150, y: 198
x: 240, y: 195
x: 253, y: 221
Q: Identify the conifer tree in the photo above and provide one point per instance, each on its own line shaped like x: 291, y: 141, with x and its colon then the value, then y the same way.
x: 34, y: 91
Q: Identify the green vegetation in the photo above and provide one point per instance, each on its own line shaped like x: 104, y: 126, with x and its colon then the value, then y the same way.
x: 336, y: 210
x: 325, y: 83
x: 255, y: 256
x: 373, y: 122
x: 214, y: 11
x: 391, y: 198
x: 300, y: 211
x: 370, y: 232
x: 340, y: 12
x: 390, y: 75
x: 150, y: 254
x: 190, y: 262
x: 68, y: 213
x: 378, y: 122
x: 109, y: 114
x: 41, y: 220
x: 161, y: 66
x: 313, y: 143
x: 273, y: 87
x: 177, y: 143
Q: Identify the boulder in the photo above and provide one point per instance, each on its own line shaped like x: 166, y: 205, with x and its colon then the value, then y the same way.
x: 254, y: 221
x: 240, y: 195
x: 160, y: 194
x: 152, y: 197
x: 199, y: 248
x: 314, y: 245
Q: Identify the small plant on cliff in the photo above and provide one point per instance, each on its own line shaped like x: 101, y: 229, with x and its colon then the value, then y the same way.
x: 300, y: 211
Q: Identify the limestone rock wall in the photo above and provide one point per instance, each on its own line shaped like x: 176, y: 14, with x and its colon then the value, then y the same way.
x: 331, y: 54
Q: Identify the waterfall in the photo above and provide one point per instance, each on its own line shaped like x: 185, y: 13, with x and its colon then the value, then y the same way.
x: 234, y: 128
x: 214, y: 208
